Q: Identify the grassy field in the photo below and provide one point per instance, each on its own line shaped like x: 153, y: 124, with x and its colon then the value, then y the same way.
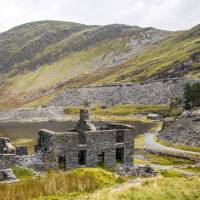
x: 183, y: 147
x: 122, y: 113
x: 161, y: 160
x: 78, y: 180
x: 123, y: 109
x: 177, y: 188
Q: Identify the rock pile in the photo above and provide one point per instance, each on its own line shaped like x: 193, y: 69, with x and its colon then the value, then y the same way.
x: 133, y: 170
x: 184, y: 130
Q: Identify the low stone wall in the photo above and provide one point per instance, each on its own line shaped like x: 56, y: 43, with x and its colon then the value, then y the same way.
x: 154, y: 92
x: 7, y: 160
x: 33, y: 114
x: 7, y: 175
x: 32, y: 161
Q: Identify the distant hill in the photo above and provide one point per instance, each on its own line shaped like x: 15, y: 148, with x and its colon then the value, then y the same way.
x: 40, y: 58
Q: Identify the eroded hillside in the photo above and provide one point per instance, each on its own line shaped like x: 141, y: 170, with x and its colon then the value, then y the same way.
x: 39, y: 59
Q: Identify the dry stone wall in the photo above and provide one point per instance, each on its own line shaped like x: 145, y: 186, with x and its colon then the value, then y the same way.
x: 7, y: 160
x: 154, y: 92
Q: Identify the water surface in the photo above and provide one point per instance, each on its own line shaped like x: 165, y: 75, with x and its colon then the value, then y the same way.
x: 26, y: 134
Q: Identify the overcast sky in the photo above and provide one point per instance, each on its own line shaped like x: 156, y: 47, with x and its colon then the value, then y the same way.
x: 164, y: 14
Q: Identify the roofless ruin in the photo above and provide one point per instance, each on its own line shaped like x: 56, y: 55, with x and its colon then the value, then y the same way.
x: 86, y: 145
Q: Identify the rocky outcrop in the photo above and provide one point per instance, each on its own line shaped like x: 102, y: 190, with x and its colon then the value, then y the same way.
x: 184, y: 130
x: 152, y: 93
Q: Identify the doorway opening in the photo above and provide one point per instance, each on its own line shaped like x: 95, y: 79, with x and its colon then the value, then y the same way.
x: 82, y: 157
x: 101, y: 159
x: 62, y: 162
x: 120, y: 155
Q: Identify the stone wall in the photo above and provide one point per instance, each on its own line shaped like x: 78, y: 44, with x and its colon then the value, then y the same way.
x: 105, y: 141
x: 7, y: 175
x: 155, y: 92
x: 53, y: 145
x: 7, y: 160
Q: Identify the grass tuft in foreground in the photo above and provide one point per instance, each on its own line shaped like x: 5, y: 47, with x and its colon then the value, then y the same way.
x: 154, y: 189
x: 78, y: 180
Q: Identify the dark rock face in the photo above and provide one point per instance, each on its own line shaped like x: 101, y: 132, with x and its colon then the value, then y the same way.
x: 184, y: 130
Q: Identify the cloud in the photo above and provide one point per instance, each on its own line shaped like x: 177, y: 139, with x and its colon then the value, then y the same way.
x: 165, y: 14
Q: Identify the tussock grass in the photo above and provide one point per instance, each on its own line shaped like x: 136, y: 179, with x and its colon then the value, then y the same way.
x: 78, y: 180
x: 154, y: 189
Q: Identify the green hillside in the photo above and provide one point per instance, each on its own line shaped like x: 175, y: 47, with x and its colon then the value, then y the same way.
x: 41, y: 58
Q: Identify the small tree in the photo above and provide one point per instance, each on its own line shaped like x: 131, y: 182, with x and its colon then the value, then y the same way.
x: 191, y: 95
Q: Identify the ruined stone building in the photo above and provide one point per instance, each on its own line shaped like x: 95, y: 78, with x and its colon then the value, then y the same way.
x: 86, y: 145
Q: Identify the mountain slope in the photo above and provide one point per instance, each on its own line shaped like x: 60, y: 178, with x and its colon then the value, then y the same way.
x: 40, y: 58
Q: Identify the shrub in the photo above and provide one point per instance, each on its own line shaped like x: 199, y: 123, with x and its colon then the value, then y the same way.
x: 192, y: 95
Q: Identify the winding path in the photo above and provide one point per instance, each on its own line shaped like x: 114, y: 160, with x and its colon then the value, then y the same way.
x: 152, y: 144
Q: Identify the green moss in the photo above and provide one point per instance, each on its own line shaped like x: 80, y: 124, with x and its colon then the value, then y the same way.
x: 22, y: 173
